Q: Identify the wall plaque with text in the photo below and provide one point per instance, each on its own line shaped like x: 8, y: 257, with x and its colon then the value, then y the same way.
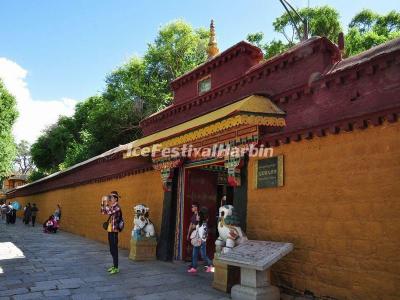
x: 269, y: 172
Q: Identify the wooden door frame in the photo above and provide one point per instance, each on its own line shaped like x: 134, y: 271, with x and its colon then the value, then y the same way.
x: 166, y: 243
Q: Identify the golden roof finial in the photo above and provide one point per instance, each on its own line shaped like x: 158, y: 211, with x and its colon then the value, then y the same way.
x: 212, y: 49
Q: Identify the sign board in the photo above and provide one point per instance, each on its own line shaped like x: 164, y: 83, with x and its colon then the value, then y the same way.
x: 269, y: 172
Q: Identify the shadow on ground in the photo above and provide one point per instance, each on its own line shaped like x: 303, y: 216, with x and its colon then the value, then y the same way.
x: 35, y: 265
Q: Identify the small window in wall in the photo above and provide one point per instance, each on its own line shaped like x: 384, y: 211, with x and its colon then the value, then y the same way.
x: 204, y: 85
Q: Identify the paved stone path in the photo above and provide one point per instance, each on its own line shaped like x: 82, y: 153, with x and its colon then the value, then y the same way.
x: 34, y: 265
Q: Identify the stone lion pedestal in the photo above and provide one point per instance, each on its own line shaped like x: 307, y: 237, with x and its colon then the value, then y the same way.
x: 255, y: 259
x: 143, y: 240
x: 143, y: 249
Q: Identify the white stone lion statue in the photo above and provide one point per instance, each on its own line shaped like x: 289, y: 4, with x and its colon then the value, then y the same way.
x: 142, y: 226
x: 230, y: 234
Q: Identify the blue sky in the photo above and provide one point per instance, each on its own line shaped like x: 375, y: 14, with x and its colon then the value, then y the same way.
x: 68, y: 47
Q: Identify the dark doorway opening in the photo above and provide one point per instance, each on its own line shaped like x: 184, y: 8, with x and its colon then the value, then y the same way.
x: 165, y: 246
x: 205, y: 186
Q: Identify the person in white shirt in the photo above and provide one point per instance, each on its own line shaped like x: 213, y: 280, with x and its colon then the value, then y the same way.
x: 199, y: 242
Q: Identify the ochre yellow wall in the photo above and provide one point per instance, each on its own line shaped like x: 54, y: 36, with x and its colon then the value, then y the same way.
x: 340, y: 206
x: 81, y: 205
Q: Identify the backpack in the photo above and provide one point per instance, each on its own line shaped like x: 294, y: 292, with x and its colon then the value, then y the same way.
x: 195, y: 238
x: 121, y: 222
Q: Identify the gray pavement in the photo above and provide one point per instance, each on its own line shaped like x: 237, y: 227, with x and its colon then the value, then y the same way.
x: 35, y: 265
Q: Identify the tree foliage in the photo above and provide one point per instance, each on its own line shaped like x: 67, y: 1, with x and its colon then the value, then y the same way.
x: 322, y: 21
x: 134, y: 90
x: 8, y: 116
x: 367, y: 29
x: 270, y: 49
x: 23, y: 163
x: 50, y: 148
x: 177, y: 49
x: 36, y: 175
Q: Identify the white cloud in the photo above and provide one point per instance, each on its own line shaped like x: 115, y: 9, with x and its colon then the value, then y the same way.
x: 34, y: 115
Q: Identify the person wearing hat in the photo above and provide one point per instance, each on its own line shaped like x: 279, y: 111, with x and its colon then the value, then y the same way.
x: 110, y: 207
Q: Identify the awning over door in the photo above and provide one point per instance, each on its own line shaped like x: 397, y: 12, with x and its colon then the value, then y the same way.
x: 253, y: 110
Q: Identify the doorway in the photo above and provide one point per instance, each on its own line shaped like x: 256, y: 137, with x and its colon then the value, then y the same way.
x: 205, y: 186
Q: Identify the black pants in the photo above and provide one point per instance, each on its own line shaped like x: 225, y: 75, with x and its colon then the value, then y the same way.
x: 113, y: 242
x: 13, y: 216
x: 33, y: 220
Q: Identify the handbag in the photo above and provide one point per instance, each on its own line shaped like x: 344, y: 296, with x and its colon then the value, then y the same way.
x: 105, y: 224
x: 195, y: 239
x: 121, y: 223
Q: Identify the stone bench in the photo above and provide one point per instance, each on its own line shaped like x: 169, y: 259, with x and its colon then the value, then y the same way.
x: 255, y: 259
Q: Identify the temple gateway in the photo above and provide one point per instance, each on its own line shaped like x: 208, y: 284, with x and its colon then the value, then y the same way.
x: 327, y: 180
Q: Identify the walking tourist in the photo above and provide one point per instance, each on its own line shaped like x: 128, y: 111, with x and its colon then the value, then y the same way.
x: 11, y: 214
x: 199, y: 241
x: 194, y: 220
x: 6, y: 211
x: 114, y: 224
x: 3, y: 211
x: 34, y: 211
x: 27, y: 214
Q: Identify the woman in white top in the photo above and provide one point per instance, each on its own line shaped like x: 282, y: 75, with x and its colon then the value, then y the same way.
x: 200, y: 234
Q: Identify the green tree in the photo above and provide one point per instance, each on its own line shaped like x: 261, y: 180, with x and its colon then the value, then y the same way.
x: 8, y: 116
x: 78, y: 151
x: 36, y: 175
x: 50, y: 148
x: 110, y: 122
x: 368, y: 29
x: 23, y: 163
x: 133, y: 91
x: 129, y: 82
x: 177, y: 49
x: 322, y: 21
x: 270, y: 49
x: 364, y: 20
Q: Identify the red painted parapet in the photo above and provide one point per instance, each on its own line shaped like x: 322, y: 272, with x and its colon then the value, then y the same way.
x: 238, y: 77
